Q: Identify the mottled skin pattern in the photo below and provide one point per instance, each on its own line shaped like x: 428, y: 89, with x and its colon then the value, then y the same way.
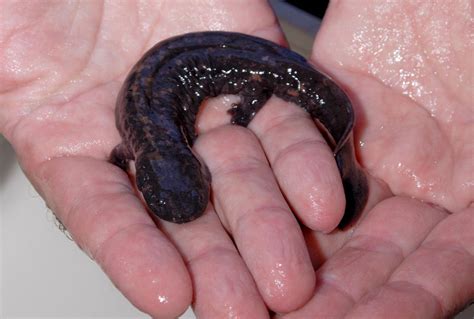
x: 157, y: 107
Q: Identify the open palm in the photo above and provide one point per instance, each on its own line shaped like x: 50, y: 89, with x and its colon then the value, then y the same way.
x: 61, y: 66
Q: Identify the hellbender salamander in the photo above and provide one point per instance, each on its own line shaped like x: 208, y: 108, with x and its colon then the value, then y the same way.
x: 157, y: 106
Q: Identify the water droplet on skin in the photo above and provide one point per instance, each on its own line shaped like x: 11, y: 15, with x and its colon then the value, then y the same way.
x: 162, y: 299
x: 73, y: 149
x: 231, y: 313
x: 279, y: 277
x: 314, y: 202
x: 278, y: 283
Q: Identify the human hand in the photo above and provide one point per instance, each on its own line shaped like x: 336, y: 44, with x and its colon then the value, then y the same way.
x: 408, y: 69
x: 61, y: 65
x: 49, y: 125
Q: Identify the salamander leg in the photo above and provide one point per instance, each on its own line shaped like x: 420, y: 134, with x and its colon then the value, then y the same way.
x: 251, y: 101
x: 120, y: 156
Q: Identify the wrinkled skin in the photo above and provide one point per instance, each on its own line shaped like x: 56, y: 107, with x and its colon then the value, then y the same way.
x: 409, y: 73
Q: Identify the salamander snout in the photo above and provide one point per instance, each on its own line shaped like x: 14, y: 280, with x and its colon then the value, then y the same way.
x: 175, y: 190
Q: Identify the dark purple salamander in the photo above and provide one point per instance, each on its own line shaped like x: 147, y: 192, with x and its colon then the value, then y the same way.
x: 157, y: 107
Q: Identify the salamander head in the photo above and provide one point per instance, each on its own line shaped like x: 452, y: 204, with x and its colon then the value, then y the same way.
x: 175, y: 189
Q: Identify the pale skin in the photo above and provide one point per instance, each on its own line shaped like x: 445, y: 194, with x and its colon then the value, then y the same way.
x: 408, y: 69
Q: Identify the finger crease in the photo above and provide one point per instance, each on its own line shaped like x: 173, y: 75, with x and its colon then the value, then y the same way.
x: 358, y: 242
x: 237, y: 167
x: 283, y: 120
x: 213, y: 250
x: 78, y: 205
x: 96, y: 253
x: 287, y: 150
x: 251, y: 217
x: 419, y: 287
x: 336, y: 286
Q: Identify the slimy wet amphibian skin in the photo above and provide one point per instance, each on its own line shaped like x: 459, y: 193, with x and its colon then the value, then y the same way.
x: 157, y: 106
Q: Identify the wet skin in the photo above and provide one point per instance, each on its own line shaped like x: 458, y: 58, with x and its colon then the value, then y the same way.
x: 158, y: 103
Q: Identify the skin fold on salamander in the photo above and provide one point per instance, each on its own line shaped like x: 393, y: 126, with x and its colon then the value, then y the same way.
x: 158, y: 103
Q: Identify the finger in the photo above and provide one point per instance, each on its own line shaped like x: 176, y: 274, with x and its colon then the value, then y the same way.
x: 251, y: 207
x: 435, y: 281
x: 96, y: 203
x: 223, y: 286
x: 390, y: 232
x: 322, y: 246
x: 302, y: 163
